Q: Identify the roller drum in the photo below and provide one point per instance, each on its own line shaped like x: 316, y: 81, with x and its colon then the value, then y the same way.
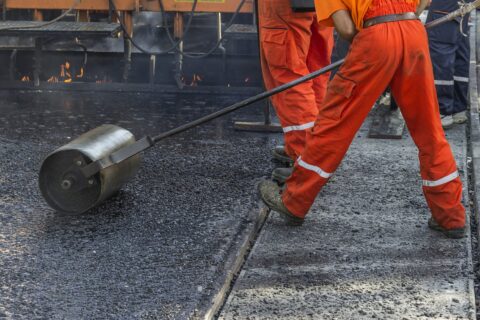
x: 57, y: 183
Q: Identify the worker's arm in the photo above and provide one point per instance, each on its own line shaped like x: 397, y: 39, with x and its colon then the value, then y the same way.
x: 344, y: 24
x: 421, y: 6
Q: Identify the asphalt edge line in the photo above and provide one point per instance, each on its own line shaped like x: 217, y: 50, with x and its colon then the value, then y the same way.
x: 220, y: 299
x: 472, y: 167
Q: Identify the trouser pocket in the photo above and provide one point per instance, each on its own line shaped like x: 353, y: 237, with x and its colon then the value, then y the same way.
x: 339, y: 92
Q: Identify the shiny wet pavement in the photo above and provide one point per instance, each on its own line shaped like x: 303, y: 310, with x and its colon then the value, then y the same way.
x: 157, y: 250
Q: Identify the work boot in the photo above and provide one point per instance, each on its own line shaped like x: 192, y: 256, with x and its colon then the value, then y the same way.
x: 456, y: 233
x: 280, y: 175
x: 280, y: 155
x: 447, y: 121
x: 271, y: 195
x: 460, y: 117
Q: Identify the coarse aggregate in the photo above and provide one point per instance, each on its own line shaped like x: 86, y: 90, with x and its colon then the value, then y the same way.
x: 160, y: 248
x: 364, y: 251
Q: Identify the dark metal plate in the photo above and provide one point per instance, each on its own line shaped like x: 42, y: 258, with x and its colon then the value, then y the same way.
x: 59, y: 29
x: 52, y: 175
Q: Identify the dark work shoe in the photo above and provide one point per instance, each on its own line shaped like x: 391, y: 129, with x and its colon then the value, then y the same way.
x: 271, y: 195
x: 280, y: 155
x: 456, y: 233
x: 280, y: 175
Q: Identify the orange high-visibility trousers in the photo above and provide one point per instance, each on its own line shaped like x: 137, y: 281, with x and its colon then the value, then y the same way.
x: 292, y: 45
x: 399, y: 58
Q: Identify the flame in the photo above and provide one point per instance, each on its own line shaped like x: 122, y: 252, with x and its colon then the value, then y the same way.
x: 80, y: 75
x: 25, y: 79
x: 195, y: 80
x: 104, y: 80
x: 53, y: 79
x: 65, y: 74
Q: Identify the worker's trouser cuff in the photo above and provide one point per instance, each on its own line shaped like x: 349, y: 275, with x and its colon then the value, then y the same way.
x: 301, y: 190
x: 445, y: 204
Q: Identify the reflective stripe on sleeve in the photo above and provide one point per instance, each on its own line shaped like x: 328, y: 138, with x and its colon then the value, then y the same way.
x: 444, y: 82
x: 300, y: 127
x: 460, y: 79
x: 315, y: 169
x: 441, y: 181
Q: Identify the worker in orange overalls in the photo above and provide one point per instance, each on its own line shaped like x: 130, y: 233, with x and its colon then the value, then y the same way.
x: 389, y: 48
x: 292, y: 44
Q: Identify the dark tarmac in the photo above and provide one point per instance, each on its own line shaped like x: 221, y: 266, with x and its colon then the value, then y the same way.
x: 162, y: 247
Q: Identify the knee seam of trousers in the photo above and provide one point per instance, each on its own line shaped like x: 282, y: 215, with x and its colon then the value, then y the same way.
x: 439, y: 182
x: 299, y: 127
x: 313, y: 168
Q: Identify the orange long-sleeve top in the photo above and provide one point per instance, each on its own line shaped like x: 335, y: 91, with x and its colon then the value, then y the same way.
x: 357, y: 8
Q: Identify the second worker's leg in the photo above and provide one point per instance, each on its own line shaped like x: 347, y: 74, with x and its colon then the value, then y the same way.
x: 285, y: 41
x: 461, y: 78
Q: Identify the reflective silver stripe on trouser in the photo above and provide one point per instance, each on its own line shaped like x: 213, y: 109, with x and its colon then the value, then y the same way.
x: 460, y: 79
x: 441, y: 181
x: 300, y: 127
x: 444, y: 82
x: 315, y: 169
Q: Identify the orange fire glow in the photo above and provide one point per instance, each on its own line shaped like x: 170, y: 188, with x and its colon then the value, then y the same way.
x: 66, y: 74
x: 53, y: 79
x: 195, y: 80
x: 104, y: 80
x: 80, y: 75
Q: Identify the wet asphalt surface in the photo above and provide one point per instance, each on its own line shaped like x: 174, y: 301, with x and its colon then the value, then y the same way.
x: 158, y: 249
x: 364, y: 251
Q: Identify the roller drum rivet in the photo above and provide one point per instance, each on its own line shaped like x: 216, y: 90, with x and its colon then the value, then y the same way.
x: 66, y: 184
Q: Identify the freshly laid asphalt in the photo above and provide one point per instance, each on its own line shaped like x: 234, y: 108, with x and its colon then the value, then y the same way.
x: 166, y: 245
x: 365, y: 251
x: 163, y: 247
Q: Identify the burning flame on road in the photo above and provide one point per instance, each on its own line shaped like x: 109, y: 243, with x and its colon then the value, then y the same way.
x: 195, y: 80
x: 53, y: 79
x: 66, y: 75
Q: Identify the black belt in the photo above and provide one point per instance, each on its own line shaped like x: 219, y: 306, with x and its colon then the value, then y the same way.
x: 390, y: 18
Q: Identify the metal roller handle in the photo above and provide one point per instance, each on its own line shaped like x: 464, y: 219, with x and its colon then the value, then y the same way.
x: 148, y: 142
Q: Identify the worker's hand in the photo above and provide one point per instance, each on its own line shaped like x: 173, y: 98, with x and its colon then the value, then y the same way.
x: 344, y: 25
